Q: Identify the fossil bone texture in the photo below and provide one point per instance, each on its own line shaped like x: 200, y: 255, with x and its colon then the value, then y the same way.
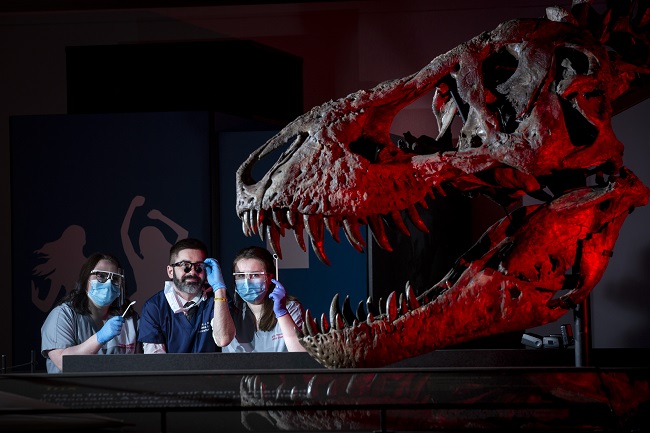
x: 535, y: 100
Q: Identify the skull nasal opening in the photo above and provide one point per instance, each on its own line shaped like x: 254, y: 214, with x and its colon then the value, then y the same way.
x: 366, y: 148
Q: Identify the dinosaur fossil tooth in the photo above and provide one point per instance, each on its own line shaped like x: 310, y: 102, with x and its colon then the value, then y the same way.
x: 353, y: 234
x: 279, y: 217
x: 319, y: 250
x: 247, y: 220
x: 440, y: 190
x: 370, y: 318
x: 340, y: 325
x: 324, y: 325
x: 314, y: 225
x: 261, y: 217
x: 348, y: 314
x: 381, y: 304
x: 253, y: 220
x: 333, y: 224
x: 334, y: 309
x: 414, y: 216
x: 273, y: 235
x: 310, y: 323
x: 391, y: 306
x: 378, y: 232
x: 361, y: 312
x: 403, y: 307
x: 292, y: 218
x: 298, y: 234
x: 371, y: 307
x: 411, y: 298
x: 244, y: 228
x: 424, y: 203
x: 261, y: 231
x: 399, y: 222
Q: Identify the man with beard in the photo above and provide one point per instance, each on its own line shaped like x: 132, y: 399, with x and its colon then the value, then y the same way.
x: 177, y: 319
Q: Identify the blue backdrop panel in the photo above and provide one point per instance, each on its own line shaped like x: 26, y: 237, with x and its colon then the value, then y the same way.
x: 314, y: 286
x: 129, y: 184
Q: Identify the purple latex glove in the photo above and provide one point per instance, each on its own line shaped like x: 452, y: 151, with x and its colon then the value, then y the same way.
x: 279, y: 296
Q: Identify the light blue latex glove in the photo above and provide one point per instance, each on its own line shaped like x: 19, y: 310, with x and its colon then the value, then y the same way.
x: 279, y: 296
x: 110, y: 330
x: 213, y: 274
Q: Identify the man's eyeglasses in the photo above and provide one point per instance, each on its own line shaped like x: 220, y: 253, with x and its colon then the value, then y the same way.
x: 102, y: 276
x: 199, y: 267
x: 248, y: 275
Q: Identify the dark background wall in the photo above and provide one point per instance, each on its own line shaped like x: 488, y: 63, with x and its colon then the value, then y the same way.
x: 345, y: 46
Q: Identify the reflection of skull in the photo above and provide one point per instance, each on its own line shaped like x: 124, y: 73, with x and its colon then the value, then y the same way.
x: 535, y: 100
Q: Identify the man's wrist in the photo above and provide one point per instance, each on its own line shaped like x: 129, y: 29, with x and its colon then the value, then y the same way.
x: 220, y: 295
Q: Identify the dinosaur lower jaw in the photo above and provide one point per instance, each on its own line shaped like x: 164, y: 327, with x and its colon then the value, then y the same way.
x: 482, y: 302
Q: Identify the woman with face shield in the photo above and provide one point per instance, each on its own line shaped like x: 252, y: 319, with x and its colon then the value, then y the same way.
x: 264, y: 317
x: 91, y: 319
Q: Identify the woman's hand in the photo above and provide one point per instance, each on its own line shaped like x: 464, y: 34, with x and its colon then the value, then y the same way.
x: 279, y: 297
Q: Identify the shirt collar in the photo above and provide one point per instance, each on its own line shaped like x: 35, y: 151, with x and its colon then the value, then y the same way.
x: 176, y: 302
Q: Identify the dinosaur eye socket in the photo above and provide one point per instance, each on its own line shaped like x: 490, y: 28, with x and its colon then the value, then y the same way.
x: 366, y: 148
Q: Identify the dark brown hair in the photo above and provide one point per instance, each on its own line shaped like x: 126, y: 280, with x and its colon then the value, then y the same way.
x: 186, y: 244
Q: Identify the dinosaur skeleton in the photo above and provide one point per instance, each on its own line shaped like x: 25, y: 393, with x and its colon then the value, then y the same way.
x: 535, y: 99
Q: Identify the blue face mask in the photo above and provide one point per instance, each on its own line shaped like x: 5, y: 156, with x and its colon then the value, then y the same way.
x: 103, y: 294
x: 251, y: 290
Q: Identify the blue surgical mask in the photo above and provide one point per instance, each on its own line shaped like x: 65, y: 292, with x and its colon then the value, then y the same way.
x: 251, y: 290
x: 103, y: 294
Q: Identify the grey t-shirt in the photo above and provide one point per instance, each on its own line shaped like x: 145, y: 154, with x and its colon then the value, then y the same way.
x: 248, y: 339
x: 63, y: 328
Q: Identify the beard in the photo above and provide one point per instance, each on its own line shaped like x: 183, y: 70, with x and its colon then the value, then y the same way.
x: 189, y: 284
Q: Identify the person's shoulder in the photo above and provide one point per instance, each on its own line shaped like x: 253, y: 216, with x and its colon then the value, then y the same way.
x: 155, y: 305
x: 63, y: 308
x: 62, y: 312
x: 294, y: 304
x: 156, y: 298
x: 293, y: 300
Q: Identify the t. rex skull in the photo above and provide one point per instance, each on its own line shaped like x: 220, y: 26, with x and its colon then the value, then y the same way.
x: 535, y: 99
